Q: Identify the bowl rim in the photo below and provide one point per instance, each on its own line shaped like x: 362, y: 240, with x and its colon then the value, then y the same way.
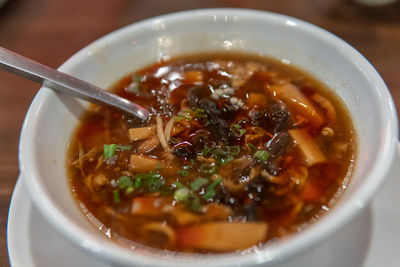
x: 295, y: 244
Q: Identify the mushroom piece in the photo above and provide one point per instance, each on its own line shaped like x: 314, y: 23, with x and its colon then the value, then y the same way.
x: 232, y: 172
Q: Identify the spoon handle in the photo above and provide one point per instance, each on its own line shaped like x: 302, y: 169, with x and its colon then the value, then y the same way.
x: 32, y: 70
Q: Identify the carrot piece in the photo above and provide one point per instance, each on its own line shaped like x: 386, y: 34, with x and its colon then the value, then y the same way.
x: 222, y: 236
x: 298, y: 102
x: 310, y: 151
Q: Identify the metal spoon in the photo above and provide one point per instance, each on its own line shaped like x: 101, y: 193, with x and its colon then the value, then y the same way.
x: 32, y: 70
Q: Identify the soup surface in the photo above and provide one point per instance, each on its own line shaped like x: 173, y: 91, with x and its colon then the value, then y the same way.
x: 239, y: 150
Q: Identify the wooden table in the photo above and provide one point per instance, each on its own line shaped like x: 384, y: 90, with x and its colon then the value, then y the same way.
x: 51, y: 31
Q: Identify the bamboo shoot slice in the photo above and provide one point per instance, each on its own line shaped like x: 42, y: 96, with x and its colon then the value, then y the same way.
x: 136, y: 134
x: 140, y: 163
x: 310, y: 151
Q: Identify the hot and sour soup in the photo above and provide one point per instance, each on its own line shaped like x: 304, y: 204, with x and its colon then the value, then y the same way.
x: 239, y: 150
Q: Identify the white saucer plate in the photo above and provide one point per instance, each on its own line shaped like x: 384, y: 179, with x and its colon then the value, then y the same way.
x: 372, y: 239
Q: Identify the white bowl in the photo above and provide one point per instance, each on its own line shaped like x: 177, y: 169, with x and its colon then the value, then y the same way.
x: 52, y: 118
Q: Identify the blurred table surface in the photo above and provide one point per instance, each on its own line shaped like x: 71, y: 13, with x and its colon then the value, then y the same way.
x: 50, y: 31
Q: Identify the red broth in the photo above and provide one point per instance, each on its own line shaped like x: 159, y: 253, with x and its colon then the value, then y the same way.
x: 239, y: 150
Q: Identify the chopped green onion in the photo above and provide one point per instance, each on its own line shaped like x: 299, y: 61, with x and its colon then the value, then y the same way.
x: 124, y: 182
x: 182, y: 194
x: 205, y: 151
x: 186, y: 114
x: 192, y: 162
x: 129, y: 190
x: 235, y: 126
x: 183, y: 172
x: 261, y: 155
x: 116, y: 196
x: 174, y: 141
x: 208, y: 168
x: 215, y: 183
x: 109, y: 150
x: 178, y: 184
x: 209, y: 194
x: 151, y: 181
x: 178, y: 118
x: 226, y: 160
x: 200, y: 113
x: 234, y: 150
x: 154, y: 183
x: 124, y: 147
x: 221, y: 156
x: 137, y: 182
x: 252, y: 146
x: 158, y: 166
x: 198, y: 183
x: 237, y: 130
x: 195, y: 205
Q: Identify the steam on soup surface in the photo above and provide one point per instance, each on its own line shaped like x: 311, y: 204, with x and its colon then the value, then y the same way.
x: 239, y: 150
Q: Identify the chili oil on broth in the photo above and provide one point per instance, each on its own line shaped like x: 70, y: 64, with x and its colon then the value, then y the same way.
x: 209, y: 187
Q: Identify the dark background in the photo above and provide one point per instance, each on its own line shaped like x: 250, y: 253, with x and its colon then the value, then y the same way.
x: 50, y: 31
